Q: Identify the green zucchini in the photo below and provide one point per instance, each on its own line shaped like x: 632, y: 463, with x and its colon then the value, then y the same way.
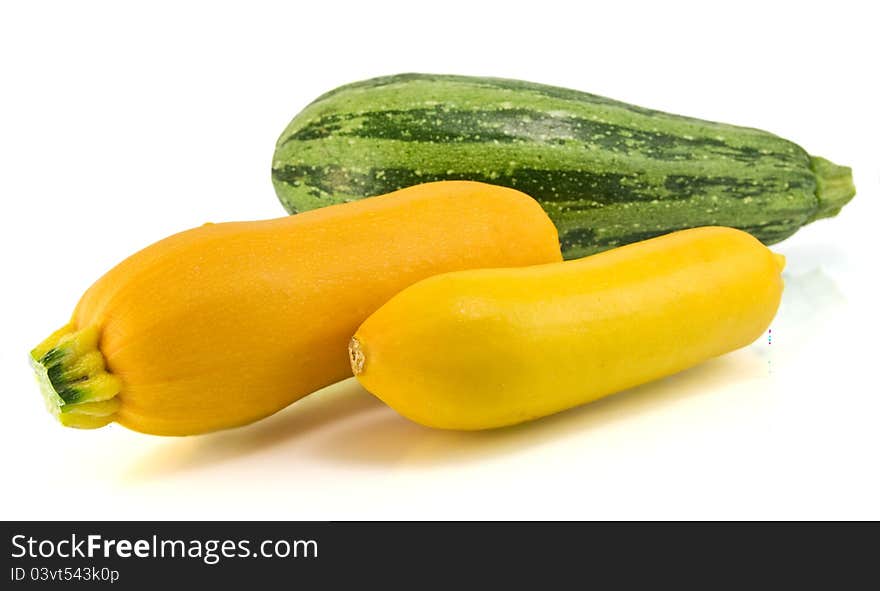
x: 608, y: 173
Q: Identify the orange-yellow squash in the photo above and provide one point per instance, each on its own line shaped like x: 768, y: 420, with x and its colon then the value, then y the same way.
x: 487, y: 348
x: 224, y: 324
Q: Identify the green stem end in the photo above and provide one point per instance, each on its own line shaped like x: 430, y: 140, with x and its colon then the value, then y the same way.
x: 834, y: 187
x: 73, y: 379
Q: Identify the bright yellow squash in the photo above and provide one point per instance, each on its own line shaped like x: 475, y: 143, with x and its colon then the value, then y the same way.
x: 227, y: 323
x: 487, y: 348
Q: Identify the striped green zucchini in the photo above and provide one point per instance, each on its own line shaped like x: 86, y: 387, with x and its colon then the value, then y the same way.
x: 608, y: 173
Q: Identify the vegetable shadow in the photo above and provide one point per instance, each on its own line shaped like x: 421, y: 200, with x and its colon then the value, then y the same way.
x: 288, y: 430
x: 387, y: 439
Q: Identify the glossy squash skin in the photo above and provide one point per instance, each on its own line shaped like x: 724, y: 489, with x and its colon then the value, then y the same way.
x: 487, y: 348
x: 224, y: 324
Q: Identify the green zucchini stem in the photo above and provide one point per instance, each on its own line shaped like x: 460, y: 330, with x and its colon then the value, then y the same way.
x: 834, y: 187
x: 73, y: 379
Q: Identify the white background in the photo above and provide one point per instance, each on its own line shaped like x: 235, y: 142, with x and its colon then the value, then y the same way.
x: 122, y: 124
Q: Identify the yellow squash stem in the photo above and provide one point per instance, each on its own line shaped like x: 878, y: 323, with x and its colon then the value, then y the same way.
x: 74, y: 381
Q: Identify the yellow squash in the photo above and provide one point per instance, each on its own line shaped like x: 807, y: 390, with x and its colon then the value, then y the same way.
x: 227, y: 323
x: 486, y: 348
